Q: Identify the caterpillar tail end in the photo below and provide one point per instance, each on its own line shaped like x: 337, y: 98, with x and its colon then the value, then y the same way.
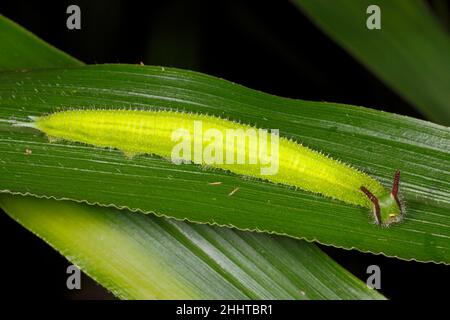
x: 25, y: 124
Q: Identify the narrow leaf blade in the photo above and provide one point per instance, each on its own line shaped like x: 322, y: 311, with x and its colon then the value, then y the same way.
x: 376, y: 142
x: 410, y: 52
x: 21, y: 50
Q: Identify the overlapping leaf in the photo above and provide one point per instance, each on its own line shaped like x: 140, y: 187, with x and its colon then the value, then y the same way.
x: 138, y: 256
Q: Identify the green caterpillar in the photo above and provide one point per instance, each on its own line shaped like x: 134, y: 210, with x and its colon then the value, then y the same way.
x: 159, y: 132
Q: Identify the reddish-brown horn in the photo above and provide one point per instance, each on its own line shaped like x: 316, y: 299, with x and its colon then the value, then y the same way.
x: 396, y: 182
x: 376, y: 205
x: 395, y: 189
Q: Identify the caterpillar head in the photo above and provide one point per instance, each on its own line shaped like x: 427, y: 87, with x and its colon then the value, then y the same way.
x: 387, y: 208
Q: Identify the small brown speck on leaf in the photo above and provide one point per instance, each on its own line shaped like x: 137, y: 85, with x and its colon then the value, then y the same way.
x: 28, y: 152
x: 217, y: 183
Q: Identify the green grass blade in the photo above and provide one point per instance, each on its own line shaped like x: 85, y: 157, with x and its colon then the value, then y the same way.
x: 374, y: 141
x: 244, y: 264
x: 139, y: 256
x: 19, y: 49
x: 410, y: 53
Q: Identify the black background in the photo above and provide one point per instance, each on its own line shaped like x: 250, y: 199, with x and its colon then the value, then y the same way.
x: 266, y: 45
